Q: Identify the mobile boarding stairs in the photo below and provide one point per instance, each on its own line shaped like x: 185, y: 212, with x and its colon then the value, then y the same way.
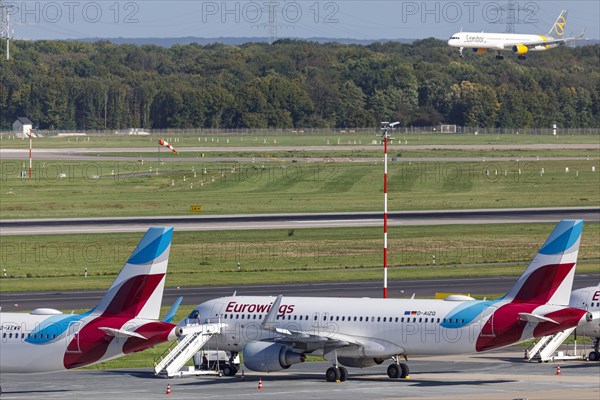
x: 544, y: 350
x: 192, y: 339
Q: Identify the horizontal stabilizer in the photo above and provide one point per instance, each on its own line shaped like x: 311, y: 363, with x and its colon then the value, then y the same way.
x: 121, y: 333
x: 535, y: 318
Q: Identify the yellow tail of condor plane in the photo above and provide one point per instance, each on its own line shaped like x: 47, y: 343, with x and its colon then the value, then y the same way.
x: 519, y: 44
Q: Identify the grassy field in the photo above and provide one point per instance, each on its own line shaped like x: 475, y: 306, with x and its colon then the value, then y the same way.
x: 210, y: 258
x: 376, y: 152
x: 125, y: 188
x: 289, y: 139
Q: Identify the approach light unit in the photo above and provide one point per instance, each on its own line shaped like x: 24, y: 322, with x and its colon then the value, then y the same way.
x: 385, y: 127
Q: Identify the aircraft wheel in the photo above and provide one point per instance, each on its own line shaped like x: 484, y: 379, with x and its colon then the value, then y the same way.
x: 332, y: 374
x: 404, y: 371
x: 393, y: 371
x: 594, y: 356
x: 229, y: 370
x: 343, y: 374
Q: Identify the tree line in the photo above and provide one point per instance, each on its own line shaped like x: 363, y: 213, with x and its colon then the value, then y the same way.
x: 78, y: 85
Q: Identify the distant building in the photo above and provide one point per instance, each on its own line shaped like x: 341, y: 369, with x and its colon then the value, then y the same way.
x: 22, y: 126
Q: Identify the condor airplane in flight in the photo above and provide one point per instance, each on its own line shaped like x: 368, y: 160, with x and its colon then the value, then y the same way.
x: 125, y: 320
x: 519, y: 44
x: 274, y: 333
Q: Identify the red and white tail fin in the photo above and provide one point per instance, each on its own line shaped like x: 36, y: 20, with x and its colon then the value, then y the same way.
x: 138, y: 289
x: 549, y: 277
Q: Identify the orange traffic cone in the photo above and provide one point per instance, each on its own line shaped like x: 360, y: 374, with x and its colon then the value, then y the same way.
x: 243, y: 377
x: 558, y: 370
x: 260, y: 386
x: 168, y: 389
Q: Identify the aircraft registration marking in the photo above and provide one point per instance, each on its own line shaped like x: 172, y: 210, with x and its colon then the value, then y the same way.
x: 428, y: 313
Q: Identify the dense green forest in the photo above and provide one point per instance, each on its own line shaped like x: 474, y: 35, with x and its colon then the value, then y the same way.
x: 76, y: 85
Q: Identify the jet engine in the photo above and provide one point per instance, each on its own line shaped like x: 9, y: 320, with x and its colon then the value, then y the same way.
x: 362, y: 362
x: 269, y: 357
x: 479, y: 50
x: 520, y: 49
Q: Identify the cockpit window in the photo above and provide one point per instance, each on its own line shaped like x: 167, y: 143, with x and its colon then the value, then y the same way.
x: 194, y: 314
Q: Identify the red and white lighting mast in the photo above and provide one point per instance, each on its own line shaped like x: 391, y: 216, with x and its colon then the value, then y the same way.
x: 385, y: 138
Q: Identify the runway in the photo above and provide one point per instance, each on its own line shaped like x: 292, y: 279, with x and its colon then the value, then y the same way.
x: 197, y: 153
x: 287, y: 221
x: 78, y: 299
x: 492, y: 376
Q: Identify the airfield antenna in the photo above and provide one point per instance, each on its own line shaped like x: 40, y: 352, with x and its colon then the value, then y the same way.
x: 511, y: 15
x: 385, y: 138
x: 510, y: 18
x: 271, y: 24
x: 30, y: 153
x: 5, y: 25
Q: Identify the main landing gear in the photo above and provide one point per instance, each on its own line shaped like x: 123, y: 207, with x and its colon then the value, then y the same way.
x: 460, y: 52
x: 521, y: 58
x: 398, y: 369
x: 500, y: 57
x: 595, y: 354
x: 336, y: 374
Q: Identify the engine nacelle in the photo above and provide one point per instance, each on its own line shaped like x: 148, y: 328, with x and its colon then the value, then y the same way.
x: 520, y: 49
x: 269, y: 357
x: 479, y: 50
x: 362, y: 362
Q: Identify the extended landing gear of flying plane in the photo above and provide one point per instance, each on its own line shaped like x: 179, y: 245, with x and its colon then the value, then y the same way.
x: 336, y: 374
x: 499, y: 57
x: 522, y: 58
x: 460, y: 52
x: 397, y: 370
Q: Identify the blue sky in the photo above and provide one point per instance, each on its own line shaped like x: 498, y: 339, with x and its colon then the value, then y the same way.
x: 63, y: 19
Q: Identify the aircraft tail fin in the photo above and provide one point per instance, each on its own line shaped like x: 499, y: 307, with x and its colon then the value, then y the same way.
x: 549, y: 276
x: 138, y: 289
x: 558, y: 29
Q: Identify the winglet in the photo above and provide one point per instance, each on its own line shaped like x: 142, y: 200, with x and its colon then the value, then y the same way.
x: 171, y: 314
x: 272, y: 314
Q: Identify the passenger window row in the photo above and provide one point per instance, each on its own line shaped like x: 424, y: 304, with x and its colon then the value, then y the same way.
x: 17, y: 335
x: 345, y: 318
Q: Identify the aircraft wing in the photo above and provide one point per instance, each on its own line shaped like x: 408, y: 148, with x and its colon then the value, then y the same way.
x: 327, y: 339
x: 548, y: 41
